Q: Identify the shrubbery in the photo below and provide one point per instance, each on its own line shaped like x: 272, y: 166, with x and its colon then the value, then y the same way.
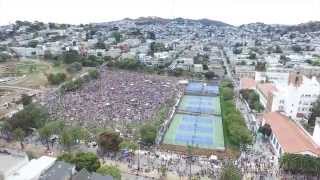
x: 252, y: 99
x: 56, y: 79
x: 234, y: 124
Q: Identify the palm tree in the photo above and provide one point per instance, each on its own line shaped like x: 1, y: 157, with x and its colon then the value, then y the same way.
x: 19, y: 135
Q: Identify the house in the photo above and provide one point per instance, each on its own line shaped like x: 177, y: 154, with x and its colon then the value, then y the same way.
x: 197, y: 68
x: 59, y: 171
x: 265, y: 91
x: 288, y: 136
x: 245, y: 72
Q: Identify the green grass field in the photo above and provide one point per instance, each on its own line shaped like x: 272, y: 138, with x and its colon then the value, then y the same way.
x: 213, y: 134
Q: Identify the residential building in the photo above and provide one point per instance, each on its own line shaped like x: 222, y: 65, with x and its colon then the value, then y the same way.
x: 245, y: 72
x: 296, y: 98
x: 59, y: 171
x: 288, y: 136
x: 316, y: 131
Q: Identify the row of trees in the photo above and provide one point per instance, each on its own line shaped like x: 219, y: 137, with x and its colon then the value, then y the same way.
x: 300, y: 164
x: 234, y: 124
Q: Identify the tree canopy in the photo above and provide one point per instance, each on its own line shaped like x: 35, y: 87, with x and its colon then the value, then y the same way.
x: 82, y: 160
x: 230, y: 172
x: 32, y: 116
x: 148, y: 134
x: 300, y: 164
x: 109, y: 141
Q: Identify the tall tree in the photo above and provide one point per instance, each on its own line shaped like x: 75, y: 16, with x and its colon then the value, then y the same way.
x: 66, y: 140
x: 19, y: 135
x: 5, y: 129
x: 45, y: 134
x: 89, y: 161
x: 148, y: 134
x: 109, y: 141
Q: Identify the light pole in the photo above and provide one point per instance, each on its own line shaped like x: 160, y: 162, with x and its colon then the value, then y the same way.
x: 139, y: 141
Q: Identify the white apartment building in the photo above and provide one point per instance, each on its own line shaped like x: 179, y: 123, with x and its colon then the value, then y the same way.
x: 295, y: 99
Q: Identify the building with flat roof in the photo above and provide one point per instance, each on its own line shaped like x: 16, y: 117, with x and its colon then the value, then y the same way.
x: 33, y: 169
x: 247, y: 83
x: 288, y: 136
x: 10, y: 162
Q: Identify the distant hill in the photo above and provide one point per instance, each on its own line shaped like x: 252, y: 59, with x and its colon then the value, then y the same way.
x: 158, y: 20
x: 305, y: 27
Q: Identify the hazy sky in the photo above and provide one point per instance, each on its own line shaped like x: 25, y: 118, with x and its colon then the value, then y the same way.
x: 231, y: 11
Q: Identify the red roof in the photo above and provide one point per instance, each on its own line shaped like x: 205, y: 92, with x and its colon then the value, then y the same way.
x: 291, y: 137
x: 247, y: 83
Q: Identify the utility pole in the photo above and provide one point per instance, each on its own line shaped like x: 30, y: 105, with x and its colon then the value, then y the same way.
x: 139, y: 141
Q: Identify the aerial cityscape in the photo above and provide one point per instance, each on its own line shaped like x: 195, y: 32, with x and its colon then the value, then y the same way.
x: 159, y: 98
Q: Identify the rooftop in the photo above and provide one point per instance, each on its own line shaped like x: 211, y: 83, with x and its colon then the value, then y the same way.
x: 247, y: 83
x: 59, y: 171
x: 291, y: 137
x: 267, y: 88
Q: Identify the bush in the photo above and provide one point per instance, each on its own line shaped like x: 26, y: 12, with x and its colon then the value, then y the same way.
x: 94, y: 74
x: 56, y: 79
x: 74, y: 67
x: 72, y: 85
x: 113, y: 171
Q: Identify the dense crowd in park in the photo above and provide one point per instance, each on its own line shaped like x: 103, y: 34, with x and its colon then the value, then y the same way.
x: 117, y: 95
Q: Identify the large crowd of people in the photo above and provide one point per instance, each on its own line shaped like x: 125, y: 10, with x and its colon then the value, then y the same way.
x: 116, y: 96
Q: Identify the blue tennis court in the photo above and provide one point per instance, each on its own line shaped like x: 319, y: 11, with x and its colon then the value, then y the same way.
x: 199, y: 131
x: 199, y: 88
x: 200, y: 104
x: 194, y: 87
